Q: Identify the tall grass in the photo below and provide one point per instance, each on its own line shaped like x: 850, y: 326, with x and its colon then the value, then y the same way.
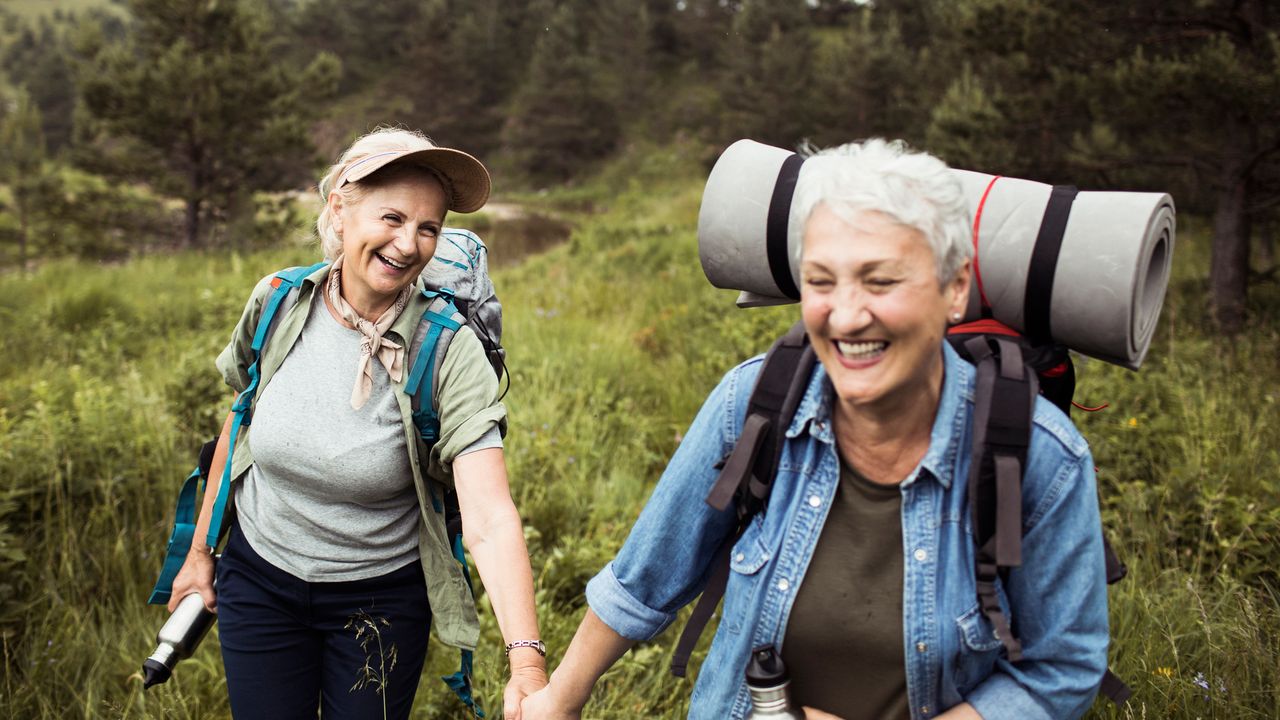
x: 107, y: 388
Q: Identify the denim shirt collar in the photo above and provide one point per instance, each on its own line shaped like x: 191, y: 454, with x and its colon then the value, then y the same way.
x: 814, y: 412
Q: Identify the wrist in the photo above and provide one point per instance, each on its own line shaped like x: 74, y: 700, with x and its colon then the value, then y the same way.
x: 568, y: 693
x: 199, y: 549
x: 526, y: 659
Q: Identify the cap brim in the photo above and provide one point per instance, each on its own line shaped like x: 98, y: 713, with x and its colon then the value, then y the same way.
x: 467, y: 177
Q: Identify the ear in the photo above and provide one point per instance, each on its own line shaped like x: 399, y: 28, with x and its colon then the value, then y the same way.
x: 957, y: 290
x: 334, y: 208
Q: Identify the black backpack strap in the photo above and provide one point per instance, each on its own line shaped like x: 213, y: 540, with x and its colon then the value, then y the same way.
x: 746, y: 477
x: 1114, y: 689
x: 1004, y: 402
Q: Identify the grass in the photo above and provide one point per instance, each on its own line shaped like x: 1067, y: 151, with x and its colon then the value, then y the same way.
x: 614, y: 338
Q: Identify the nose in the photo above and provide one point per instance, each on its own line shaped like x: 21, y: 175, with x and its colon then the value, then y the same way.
x: 406, y: 240
x: 850, y: 312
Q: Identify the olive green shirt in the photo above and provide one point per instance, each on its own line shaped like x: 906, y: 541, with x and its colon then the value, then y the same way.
x: 466, y: 393
x: 844, y: 641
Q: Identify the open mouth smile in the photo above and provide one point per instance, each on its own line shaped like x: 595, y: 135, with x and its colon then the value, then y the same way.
x: 864, y: 350
x: 391, y: 263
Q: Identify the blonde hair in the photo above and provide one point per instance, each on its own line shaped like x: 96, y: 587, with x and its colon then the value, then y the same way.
x: 915, y: 189
x: 378, y: 141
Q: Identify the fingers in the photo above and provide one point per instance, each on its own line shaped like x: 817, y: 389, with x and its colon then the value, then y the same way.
x: 511, y: 700
x: 210, y: 599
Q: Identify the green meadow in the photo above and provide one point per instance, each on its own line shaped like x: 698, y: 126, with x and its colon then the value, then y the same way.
x: 107, y: 389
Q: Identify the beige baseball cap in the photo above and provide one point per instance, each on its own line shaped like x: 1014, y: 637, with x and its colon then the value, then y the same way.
x: 465, y: 178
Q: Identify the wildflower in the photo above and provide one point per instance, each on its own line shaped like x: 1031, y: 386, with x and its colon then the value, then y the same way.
x: 1133, y: 422
x: 1200, y: 682
x: 1162, y: 671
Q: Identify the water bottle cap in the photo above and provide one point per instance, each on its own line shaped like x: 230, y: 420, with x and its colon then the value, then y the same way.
x: 766, y: 667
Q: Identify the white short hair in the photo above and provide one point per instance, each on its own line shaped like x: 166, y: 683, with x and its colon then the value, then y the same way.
x: 914, y: 189
x: 378, y: 141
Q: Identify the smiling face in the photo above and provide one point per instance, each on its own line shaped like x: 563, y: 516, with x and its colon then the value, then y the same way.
x: 388, y: 236
x: 874, y: 309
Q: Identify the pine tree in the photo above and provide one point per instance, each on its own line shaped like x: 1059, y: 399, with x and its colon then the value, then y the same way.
x: 560, y: 118
x: 766, y: 85
x: 22, y: 156
x: 198, y: 84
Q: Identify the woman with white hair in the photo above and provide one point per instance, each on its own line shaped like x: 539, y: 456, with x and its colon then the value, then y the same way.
x: 338, y: 561
x: 861, y: 571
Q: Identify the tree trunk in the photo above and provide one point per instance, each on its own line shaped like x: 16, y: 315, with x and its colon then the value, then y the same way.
x: 22, y: 237
x: 1229, y: 267
x: 192, y: 223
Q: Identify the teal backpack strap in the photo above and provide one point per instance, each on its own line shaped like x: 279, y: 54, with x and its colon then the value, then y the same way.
x: 461, y: 682
x: 422, y: 377
x: 184, y: 528
x: 426, y: 418
x: 285, y: 282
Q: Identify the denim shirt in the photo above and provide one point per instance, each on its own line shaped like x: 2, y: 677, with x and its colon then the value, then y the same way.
x: 1058, y: 596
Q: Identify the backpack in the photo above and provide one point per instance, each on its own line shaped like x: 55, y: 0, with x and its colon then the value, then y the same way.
x: 460, y: 292
x: 1011, y: 372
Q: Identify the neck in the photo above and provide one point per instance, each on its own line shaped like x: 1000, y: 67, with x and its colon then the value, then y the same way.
x: 370, y: 307
x: 886, y: 440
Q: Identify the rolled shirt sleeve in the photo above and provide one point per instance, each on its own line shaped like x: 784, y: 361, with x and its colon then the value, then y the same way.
x: 467, y: 402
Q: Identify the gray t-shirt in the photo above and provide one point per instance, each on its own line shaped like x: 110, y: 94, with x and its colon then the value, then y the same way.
x: 330, y: 496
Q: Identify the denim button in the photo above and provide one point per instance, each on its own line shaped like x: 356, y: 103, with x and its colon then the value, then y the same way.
x: 814, y: 501
x: 783, y: 584
x: 921, y: 647
x: 740, y: 557
x: 921, y: 555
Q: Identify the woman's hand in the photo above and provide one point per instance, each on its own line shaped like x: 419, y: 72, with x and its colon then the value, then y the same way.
x: 195, y: 576
x: 814, y: 714
x: 546, y: 705
x: 524, y: 682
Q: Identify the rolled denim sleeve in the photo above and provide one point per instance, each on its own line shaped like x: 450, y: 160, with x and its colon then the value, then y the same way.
x: 1059, y: 600
x: 666, y: 559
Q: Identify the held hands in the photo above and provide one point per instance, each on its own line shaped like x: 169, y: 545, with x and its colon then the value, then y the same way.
x: 546, y: 705
x: 525, y: 681
x: 195, y: 576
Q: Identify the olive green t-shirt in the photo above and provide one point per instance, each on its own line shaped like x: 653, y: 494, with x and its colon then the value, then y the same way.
x: 843, y: 646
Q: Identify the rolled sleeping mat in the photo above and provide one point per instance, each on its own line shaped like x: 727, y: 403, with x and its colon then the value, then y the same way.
x: 1088, y: 270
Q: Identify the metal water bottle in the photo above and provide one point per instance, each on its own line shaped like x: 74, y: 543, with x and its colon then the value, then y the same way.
x: 769, y: 686
x: 177, y: 639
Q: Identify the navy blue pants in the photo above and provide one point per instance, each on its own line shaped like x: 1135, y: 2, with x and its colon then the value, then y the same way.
x: 288, y: 650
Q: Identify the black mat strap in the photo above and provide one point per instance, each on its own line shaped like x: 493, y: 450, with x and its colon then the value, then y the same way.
x: 776, y: 226
x: 1044, y: 263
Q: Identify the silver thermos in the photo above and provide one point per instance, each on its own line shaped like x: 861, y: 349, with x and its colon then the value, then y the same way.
x: 177, y: 639
x: 769, y: 687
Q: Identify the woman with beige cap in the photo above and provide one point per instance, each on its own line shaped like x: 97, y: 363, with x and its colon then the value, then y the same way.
x: 338, y: 561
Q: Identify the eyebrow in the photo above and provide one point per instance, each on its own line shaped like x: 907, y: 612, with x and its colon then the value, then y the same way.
x: 401, y: 213
x: 870, y: 266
